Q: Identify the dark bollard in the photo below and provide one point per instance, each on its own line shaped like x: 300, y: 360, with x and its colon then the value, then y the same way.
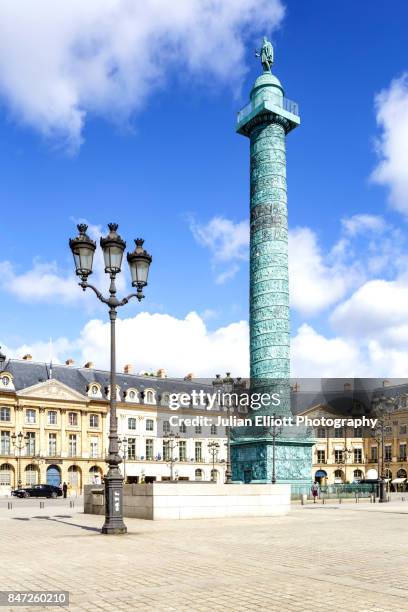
x: 71, y: 504
x: 9, y: 505
x: 41, y: 504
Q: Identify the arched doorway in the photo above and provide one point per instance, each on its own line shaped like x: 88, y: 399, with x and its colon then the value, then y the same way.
x: 401, y: 481
x: 6, y: 475
x: 358, y: 475
x: 95, y: 475
x: 214, y: 475
x: 320, y: 477
x: 338, y: 477
x: 199, y: 474
x: 53, y: 475
x: 74, y: 477
x: 31, y: 475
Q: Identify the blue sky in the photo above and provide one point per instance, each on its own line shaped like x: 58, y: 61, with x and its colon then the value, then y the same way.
x: 165, y: 160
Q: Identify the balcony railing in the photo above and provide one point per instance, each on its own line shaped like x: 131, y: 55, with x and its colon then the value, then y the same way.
x: 288, y: 105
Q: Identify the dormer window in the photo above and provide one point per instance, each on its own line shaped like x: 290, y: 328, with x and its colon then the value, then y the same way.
x: 94, y: 391
x: 117, y: 393
x: 132, y: 395
x: 6, y: 381
x: 149, y: 397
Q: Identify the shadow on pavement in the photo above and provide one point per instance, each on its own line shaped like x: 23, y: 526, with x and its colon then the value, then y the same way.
x: 55, y: 520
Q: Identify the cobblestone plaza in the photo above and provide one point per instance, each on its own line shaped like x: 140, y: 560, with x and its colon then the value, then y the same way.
x: 338, y: 557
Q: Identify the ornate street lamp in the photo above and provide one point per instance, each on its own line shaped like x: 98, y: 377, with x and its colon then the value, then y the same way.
x: 83, y: 249
x: 213, y: 447
x: 19, y: 441
x: 172, y: 442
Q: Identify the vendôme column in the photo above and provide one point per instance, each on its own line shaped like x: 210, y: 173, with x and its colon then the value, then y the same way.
x: 266, y: 121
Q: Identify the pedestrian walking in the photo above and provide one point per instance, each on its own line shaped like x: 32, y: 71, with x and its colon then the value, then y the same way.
x: 315, y: 491
x: 65, y: 490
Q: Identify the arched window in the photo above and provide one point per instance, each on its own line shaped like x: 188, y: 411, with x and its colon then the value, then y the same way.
x: 95, y: 475
x: 214, y: 475
x: 401, y: 473
x: 95, y: 390
x: 132, y: 395
x: 74, y: 476
x: 199, y: 474
x: 338, y: 476
x: 31, y: 474
x: 149, y: 397
x: 165, y: 399
x: 6, y: 381
x: 358, y: 474
x: 6, y: 474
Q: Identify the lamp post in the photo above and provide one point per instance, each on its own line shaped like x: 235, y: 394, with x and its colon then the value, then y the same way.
x: 172, y: 441
x: 213, y: 447
x: 123, y: 445
x: 113, y: 247
x: 19, y: 441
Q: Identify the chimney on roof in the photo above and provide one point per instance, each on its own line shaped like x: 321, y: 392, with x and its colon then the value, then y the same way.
x: 28, y: 357
x: 89, y: 365
x: 128, y: 368
x: 386, y: 383
x: 347, y: 387
x: 161, y: 373
x: 69, y: 362
x: 189, y: 376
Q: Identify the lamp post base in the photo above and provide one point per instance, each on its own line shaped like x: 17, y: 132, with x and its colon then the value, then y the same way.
x: 114, y: 524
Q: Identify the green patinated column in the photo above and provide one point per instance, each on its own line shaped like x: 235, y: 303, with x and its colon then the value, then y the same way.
x: 266, y: 121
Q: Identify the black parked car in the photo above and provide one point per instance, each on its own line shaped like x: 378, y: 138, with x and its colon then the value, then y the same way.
x: 40, y: 490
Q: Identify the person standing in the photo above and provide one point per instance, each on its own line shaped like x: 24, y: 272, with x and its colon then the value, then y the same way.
x: 315, y: 491
x: 65, y: 490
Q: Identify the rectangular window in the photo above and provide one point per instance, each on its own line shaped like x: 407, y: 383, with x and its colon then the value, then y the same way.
x: 52, y: 417
x: 94, y: 448
x: 198, y: 429
x: 72, y: 445
x: 374, y: 454
x: 131, y: 448
x: 358, y: 455
x: 321, y: 432
x: 30, y: 446
x: 31, y: 476
x: 73, y: 419
x: 339, y: 432
x: 358, y: 432
x: 132, y: 423
x: 388, y: 452
x: 338, y: 456
x: 94, y: 420
x: 213, y: 430
x: 149, y: 450
x: 166, y: 450
x: 166, y: 427
x: 182, y: 450
x: 403, y: 429
x: 5, y: 443
x: 403, y: 452
x: 198, y: 451
x: 388, y: 430
x: 52, y: 445
x: 5, y: 476
x: 30, y: 416
x: 182, y: 428
x: 321, y: 456
x: 149, y: 425
x: 4, y: 414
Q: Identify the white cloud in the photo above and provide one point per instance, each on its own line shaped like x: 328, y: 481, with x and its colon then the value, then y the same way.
x: 60, y: 61
x: 47, y: 282
x: 392, y: 117
x: 178, y: 345
x: 227, y: 242
x: 358, y: 224
x: 377, y: 310
x: 316, y: 280
x: 313, y: 355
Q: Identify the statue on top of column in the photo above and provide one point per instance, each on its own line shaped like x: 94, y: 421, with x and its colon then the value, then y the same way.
x: 266, y: 54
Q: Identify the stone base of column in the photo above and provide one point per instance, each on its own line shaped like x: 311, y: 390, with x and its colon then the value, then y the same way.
x: 252, y: 462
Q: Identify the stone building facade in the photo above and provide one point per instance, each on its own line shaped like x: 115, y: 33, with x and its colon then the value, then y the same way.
x: 61, y: 413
